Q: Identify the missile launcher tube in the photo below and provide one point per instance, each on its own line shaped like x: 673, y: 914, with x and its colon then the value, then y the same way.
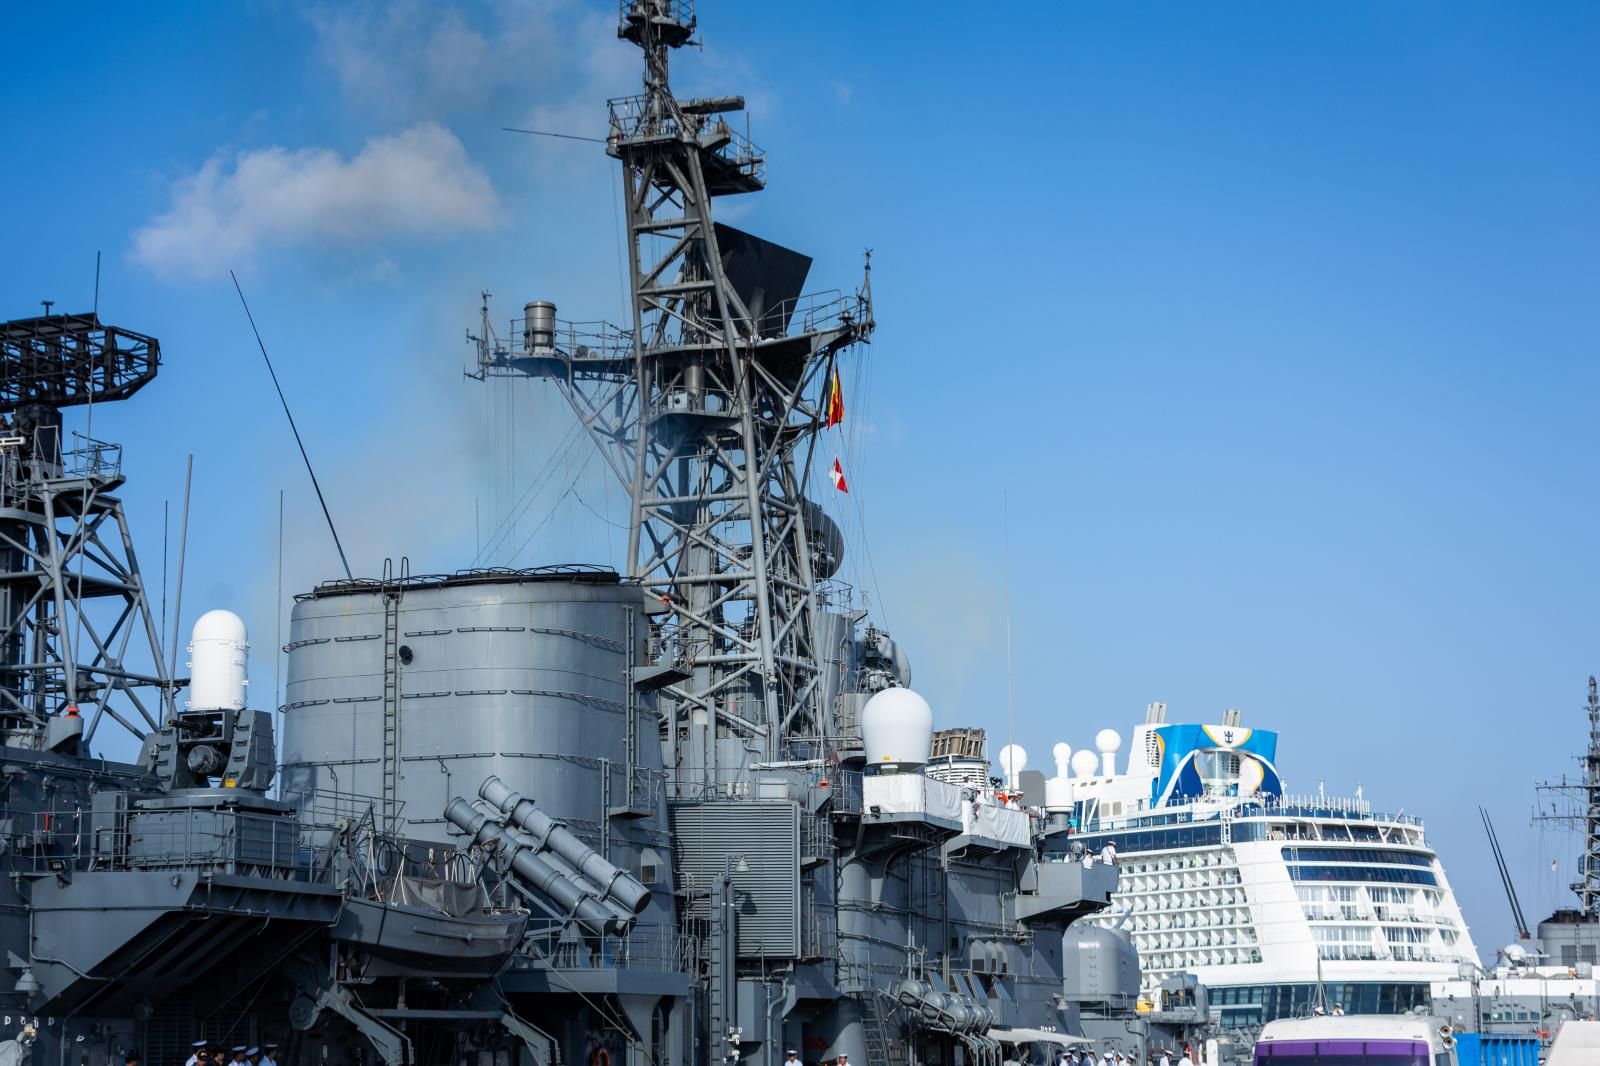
x: 622, y: 918
x: 530, y: 868
x: 615, y: 884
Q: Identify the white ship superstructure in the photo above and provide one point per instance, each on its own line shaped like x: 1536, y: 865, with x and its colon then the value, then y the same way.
x: 1276, y: 902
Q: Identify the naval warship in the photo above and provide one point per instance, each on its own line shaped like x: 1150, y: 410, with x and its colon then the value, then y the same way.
x: 1548, y: 975
x: 673, y: 813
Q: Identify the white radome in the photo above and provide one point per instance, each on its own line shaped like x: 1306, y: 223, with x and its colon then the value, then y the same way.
x: 1084, y: 764
x: 1013, y: 760
x: 1108, y: 740
x: 897, y: 729
x: 219, y: 653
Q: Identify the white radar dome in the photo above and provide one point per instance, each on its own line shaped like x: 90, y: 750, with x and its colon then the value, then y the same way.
x: 1084, y: 763
x: 1107, y: 741
x: 896, y: 729
x: 219, y: 653
x: 1062, y: 754
x: 1013, y: 760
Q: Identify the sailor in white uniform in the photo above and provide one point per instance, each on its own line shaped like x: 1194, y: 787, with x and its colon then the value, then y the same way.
x: 269, y: 1055
x: 199, y: 1047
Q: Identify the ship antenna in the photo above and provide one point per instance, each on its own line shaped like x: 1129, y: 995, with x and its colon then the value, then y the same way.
x: 548, y: 133
x: 292, y: 427
x: 1505, y: 874
x: 1005, y: 557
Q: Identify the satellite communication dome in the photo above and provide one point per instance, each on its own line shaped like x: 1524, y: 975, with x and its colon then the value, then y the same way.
x: 218, y: 658
x: 1084, y: 763
x: 896, y: 729
x: 1013, y: 760
x: 1062, y: 754
x: 1107, y: 741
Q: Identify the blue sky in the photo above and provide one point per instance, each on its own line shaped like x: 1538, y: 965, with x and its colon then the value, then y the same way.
x: 1272, y: 325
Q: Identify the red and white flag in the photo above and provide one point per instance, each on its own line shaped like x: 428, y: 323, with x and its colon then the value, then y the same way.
x: 837, y: 473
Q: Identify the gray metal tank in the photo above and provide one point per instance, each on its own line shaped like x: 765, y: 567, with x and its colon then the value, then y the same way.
x: 415, y: 690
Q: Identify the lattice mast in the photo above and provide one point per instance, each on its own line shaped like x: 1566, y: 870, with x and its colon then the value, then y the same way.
x: 73, y: 608
x: 1581, y: 800
x: 708, y: 408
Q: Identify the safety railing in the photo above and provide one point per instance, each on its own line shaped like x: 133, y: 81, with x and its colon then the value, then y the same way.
x: 92, y: 458
x: 651, y: 947
x: 814, y: 311
x: 637, y: 118
x: 672, y: 644
x: 209, y: 839
x: 576, y: 341
x: 680, y: 11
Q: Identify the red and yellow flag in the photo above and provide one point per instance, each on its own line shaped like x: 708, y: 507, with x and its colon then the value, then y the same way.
x: 833, y: 414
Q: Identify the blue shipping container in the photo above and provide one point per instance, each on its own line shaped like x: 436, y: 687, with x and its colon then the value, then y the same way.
x: 1497, y: 1049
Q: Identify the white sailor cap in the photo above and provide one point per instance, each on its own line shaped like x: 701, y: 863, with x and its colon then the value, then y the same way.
x: 253, y: 1051
x: 200, y: 1043
x: 239, y: 1049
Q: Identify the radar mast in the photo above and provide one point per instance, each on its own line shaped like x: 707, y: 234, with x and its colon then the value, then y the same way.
x: 707, y: 408
x: 64, y: 540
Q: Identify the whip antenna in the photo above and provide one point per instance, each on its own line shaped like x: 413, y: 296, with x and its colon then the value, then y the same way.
x: 293, y: 428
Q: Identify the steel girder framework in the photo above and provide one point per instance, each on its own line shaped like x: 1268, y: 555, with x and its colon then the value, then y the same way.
x: 73, y: 608
x: 707, y: 410
x: 1577, y: 807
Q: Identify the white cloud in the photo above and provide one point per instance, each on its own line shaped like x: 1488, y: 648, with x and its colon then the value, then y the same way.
x: 408, y: 58
x: 419, y: 181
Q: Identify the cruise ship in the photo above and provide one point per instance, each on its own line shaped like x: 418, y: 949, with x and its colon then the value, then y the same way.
x: 1278, y: 903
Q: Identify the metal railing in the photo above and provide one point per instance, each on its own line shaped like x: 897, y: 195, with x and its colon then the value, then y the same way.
x: 1207, y: 809
x: 216, y: 840
x: 633, y: 118
x: 92, y: 458
x: 333, y: 809
x: 680, y: 11
x: 652, y: 947
x: 578, y: 341
x: 814, y: 311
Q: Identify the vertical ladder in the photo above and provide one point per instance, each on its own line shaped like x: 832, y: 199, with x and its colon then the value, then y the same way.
x: 873, y: 1030
x: 391, y: 704
x: 1227, y: 826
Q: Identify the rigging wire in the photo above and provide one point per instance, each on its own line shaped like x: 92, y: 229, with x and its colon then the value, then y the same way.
x: 293, y: 428
x: 597, y: 514
x: 530, y: 495
x: 554, y: 507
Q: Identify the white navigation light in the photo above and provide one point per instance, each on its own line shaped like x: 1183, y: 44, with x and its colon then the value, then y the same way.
x: 1084, y: 763
x: 1013, y: 760
x: 896, y: 729
x: 1108, y: 742
x: 219, y: 656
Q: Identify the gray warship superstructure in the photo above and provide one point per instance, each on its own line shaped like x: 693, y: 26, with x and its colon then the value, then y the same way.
x: 677, y: 814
